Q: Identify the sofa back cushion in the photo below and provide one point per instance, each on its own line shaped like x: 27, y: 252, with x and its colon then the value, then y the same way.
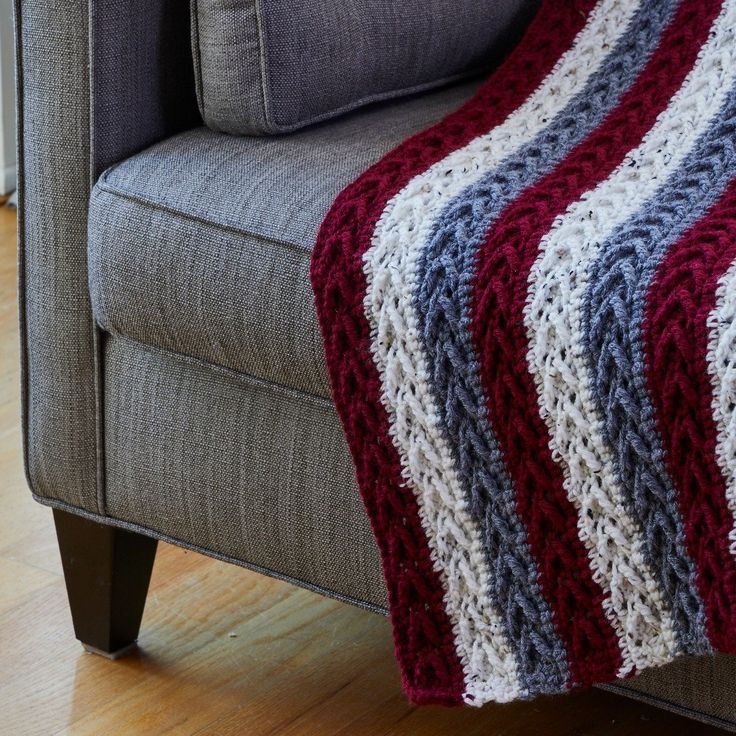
x: 272, y: 66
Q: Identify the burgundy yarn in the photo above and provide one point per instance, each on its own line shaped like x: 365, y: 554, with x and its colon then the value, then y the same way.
x: 503, y: 267
x: 681, y: 297
x: 431, y: 669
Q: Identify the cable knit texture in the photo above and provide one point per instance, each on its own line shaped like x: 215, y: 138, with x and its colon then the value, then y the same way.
x: 529, y: 321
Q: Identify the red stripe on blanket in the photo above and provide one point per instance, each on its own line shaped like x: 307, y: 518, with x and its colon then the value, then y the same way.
x: 682, y: 295
x: 425, y: 647
x: 503, y: 267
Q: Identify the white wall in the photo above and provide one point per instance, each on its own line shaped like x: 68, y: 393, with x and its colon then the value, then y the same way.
x: 7, y: 99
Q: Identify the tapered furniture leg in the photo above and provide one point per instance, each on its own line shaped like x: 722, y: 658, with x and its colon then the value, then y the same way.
x: 107, y: 571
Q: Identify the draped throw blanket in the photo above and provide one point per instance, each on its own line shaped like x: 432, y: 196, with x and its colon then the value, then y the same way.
x: 528, y: 314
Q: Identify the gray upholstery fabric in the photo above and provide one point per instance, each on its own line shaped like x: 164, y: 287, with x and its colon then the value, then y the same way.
x: 142, y: 76
x: 237, y: 466
x: 271, y: 66
x: 201, y: 244
x: 57, y: 342
x: 697, y: 687
x: 127, y: 53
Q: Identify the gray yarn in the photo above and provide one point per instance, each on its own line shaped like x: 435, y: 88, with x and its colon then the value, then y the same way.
x: 615, y: 353
x: 445, y: 275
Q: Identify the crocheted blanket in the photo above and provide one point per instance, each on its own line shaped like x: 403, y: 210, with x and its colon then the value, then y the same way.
x: 528, y: 317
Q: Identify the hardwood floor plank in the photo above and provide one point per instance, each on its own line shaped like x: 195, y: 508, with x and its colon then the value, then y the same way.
x: 18, y: 580
x: 223, y: 651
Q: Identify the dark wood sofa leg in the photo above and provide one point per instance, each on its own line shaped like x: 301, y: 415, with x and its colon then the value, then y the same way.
x: 107, y: 571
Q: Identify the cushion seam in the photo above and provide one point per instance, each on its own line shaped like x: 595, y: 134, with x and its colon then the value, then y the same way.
x: 265, y: 86
x: 324, y: 402
x: 377, y: 98
x: 104, y: 186
x: 99, y: 413
x: 197, y: 58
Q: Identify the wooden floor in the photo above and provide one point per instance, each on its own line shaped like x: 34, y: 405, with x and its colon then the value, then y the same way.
x: 222, y: 650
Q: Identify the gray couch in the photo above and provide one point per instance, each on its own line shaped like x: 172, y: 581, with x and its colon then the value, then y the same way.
x: 174, y: 385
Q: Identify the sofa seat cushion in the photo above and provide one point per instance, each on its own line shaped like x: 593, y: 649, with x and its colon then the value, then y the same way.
x: 201, y: 244
x: 270, y: 66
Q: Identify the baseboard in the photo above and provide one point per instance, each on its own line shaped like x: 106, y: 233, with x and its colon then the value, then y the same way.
x: 8, y: 180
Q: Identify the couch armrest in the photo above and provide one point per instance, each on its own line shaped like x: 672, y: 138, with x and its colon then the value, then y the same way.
x: 97, y: 81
